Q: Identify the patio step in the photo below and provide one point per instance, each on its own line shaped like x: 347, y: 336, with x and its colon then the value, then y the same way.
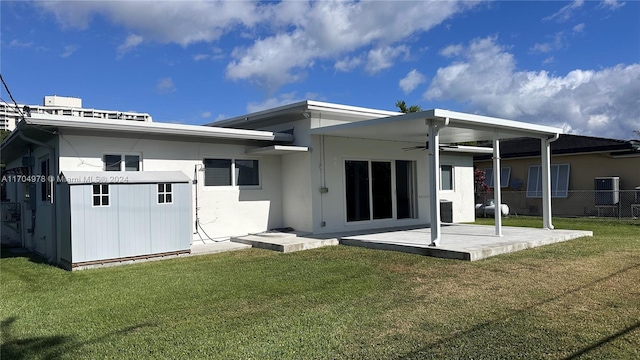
x: 283, y: 242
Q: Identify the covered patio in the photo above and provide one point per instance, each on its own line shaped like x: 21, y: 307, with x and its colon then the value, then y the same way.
x: 444, y: 130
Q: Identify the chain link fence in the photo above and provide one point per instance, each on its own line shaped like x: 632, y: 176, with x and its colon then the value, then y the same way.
x: 620, y: 204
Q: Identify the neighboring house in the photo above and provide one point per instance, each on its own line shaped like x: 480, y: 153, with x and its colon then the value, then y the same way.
x: 65, y: 106
x: 315, y: 167
x: 576, y: 162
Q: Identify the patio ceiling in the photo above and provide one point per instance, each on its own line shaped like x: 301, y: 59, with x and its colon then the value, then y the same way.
x: 462, y: 127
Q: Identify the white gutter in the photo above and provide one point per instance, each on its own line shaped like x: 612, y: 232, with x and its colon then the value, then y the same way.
x: 466, y: 149
x: 157, y: 128
x: 545, y: 153
x: 434, y: 177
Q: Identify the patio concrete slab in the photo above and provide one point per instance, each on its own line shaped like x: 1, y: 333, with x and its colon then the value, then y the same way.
x: 199, y: 248
x: 461, y: 241
x: 284, y: 242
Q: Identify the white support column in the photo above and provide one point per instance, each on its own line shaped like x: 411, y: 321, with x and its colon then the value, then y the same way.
x: 497, y: 188
x: 545, y: 151
x: 434, y: 182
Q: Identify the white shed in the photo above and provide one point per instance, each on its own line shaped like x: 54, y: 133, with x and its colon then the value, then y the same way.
x: 114, y: 216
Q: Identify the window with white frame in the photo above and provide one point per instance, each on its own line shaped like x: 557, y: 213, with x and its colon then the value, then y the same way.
x: 505, y: 175
x: 559, y: 181
x: 121, y: 162
x: 446, y: 177
x: 231, y: 172
x: 100, y: 193
x: 165, y: 194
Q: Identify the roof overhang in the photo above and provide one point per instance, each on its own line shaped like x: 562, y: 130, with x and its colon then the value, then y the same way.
x: 461, y: 127
x: 123, y: 177
x: 278, y: 150
x: 466, y: 149
x: 301, y: 108
x: 42, y: 127
x: 155, y: 128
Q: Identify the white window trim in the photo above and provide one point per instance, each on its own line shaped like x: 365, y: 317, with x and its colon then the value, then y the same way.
x: 394, y: 199
x: 453, y: 178
x: 164, y: 193
x: 234, y: 184
x: 122, y: 160
x: 533, y: 194
x: 100, y: 195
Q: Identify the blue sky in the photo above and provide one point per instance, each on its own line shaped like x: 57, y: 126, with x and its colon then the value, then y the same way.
x: 574, y: 65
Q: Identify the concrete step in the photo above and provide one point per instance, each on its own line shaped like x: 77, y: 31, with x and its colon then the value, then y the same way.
x: 283, y: 242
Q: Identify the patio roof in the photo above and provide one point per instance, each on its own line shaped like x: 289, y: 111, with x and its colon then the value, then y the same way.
x: 438, y: 126
x: 462, y: 127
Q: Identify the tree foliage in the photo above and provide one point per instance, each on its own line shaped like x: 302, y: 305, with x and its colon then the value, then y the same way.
x: 4, y: 134
x: 402, y: 105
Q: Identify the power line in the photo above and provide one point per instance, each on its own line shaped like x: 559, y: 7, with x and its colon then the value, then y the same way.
x: 11, y: 96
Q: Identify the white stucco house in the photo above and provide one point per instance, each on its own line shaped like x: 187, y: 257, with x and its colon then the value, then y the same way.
x: 312, y: 166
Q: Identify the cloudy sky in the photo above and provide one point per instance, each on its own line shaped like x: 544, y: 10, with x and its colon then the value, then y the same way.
x: 574, y: 65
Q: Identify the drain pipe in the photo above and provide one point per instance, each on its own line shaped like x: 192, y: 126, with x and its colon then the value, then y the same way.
x: 545, y: 152
x: 434, y: 177
x: 54, y: 218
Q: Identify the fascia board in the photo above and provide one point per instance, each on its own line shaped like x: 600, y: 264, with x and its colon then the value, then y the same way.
x: 160, y: 128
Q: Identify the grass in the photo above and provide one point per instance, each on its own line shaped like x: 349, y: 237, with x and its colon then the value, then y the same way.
x: 578, y: 299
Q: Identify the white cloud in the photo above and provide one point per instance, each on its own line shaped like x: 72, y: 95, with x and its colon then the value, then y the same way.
x: 280, y: 100
x: 579, y: 28
x: 199, y: 57
x: 451, y: 50
x: 220, y: 117
x: 205, y: 114
x: 310, y: 31
x: 382, y: 58
x: 129, y: 44
x: 566, y: 12
x: 411, y: 81
x: 556, y: 43
x: 283, y: 39
x: 68, y: 51
x: 347, y: 64
x: 216, y: 54
x: 613, y: 4
x: 15, y: 43
x: 486, y: 79
x: 165, y: 86
x: 181, y: 22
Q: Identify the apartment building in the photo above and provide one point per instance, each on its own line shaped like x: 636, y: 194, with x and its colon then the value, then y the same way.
x: 65, y: 106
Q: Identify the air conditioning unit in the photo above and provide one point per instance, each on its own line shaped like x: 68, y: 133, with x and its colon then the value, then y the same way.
x: 607, y: 190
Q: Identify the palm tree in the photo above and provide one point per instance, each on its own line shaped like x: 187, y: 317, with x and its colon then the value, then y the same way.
x: 400, y: 104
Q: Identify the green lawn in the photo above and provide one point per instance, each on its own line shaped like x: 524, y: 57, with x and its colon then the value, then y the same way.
x: 578, y: 299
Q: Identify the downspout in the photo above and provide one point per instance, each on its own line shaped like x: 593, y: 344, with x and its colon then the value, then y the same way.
x: 546, y: 193
x: 54, y: 165
x: 434, y: 174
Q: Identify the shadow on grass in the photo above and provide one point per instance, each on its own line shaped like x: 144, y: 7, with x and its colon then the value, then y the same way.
x: 604, y: 341
x: 484, y: 336
x: 49, y: 347
x: 7, y: 252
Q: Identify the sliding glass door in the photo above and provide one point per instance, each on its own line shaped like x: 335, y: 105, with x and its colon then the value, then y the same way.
x: 369, y: 190
x: 357, y: 181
